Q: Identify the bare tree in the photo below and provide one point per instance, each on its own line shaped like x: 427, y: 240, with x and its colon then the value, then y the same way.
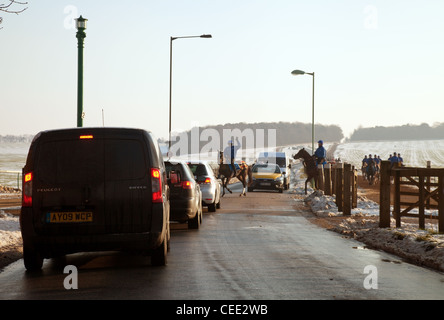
x: 8, y: 8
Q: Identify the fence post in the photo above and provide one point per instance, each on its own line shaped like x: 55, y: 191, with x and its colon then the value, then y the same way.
x: 320, y: 177
x: 347, y: 195
x: 338, y: 182
x: 384, y: 195
x: 333, y: 179
x: 397, y: 202
x: 441, y: 203
x: 421, y: 201
x: 354, y: 177
x: 429, y: 165
x: 327, y: 179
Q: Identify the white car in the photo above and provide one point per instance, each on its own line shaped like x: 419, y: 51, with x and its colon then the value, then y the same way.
x: 210, y: 186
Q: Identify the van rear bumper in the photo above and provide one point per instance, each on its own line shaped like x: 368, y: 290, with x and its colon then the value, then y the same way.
x: 50, y: 246
x: 58, y: 244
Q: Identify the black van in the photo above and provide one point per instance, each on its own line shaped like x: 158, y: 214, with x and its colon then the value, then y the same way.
x: 94, y: 189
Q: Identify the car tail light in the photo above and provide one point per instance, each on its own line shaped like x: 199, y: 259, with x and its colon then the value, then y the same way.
x: 156, y: 185
x: 86, y: 136
x: 186, y: 184
x: 206, y: 181
x: 27, y: 189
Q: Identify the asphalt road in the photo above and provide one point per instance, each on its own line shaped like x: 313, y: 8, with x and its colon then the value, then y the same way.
x: 259, y: 247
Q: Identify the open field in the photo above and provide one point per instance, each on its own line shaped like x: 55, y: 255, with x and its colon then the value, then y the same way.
x: 415, y: 153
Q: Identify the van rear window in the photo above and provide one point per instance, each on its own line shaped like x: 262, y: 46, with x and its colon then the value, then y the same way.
x: 92, y: 160
x: 124, y: 159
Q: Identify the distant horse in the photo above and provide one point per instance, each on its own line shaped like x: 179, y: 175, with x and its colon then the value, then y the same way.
x: 370, y: 172
x: 310, y: 166
x: 364, y: 169
x: 243, y: 175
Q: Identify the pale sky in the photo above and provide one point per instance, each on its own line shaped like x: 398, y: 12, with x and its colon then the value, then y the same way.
x: 375, y: 63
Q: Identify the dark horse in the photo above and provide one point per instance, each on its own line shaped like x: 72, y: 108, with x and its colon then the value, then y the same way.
x: 243, y: 175
x: 370, y: 172
x: 310, y: 166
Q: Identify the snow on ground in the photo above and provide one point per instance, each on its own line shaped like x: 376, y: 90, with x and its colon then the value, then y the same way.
x: 9, y: 231
x: 422, y: 247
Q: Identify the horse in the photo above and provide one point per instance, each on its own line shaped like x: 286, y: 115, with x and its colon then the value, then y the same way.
x: 244, y: 175
x: 370, y: 173
x: 310, y: 166
x: 364, y: 170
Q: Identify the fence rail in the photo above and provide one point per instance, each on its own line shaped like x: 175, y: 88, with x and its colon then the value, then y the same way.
x: 411, y: 182
x: 18, y: 174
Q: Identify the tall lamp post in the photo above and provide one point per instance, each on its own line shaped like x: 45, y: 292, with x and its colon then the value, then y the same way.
x: 171, y: 76
x: 300, y: 72
x: 80, y: 35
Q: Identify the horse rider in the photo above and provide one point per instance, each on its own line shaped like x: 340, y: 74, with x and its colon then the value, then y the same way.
x: 364, y: 161
x: 230, y: 154
x: 377, y: 162
x: 400, y: 160
x: 320, y: 154
x: 393, y: 160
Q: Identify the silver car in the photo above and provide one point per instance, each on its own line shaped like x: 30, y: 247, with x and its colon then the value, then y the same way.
x: 210, y: 186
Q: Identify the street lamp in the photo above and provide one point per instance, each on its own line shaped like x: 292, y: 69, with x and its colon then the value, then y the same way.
x: 80, y: 35
x: 171, y: 76
x: 300, y: 72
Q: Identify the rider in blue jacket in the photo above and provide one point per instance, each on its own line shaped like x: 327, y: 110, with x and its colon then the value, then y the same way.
x: 321, y: 154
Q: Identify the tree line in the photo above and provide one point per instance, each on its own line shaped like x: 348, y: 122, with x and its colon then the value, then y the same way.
x: 404, y: 132
x: 286, y: 133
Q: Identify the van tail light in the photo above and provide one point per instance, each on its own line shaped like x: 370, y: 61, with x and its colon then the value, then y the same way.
x: 186, y: 184
x: 27, y: 189
x: 156, y: 185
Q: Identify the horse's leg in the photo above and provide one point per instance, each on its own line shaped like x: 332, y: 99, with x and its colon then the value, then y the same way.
x: 306, y: 181
x: 225, y: 182
x: 241, y: 178
x: 223, y: 186
x: 226, y: 186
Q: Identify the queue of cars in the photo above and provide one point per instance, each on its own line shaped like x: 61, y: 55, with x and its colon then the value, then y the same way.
x: 106, y: 189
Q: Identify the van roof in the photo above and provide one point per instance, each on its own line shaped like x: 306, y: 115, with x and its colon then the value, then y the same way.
x: 94, y: 131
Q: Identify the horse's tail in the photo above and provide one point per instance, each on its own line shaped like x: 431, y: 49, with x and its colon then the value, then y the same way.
x: 250, y: 175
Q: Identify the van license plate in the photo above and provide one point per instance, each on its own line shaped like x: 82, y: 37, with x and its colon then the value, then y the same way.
x: 266, y: 184
x: 61, y: 217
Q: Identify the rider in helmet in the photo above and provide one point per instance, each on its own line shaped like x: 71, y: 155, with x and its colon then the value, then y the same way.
x: 320, y: 154
x: 230, y: 154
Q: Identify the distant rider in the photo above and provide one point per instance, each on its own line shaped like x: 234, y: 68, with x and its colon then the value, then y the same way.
x: 230, y: 154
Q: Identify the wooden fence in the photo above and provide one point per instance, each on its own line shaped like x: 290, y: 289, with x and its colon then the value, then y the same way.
x: 340, y: 179
x: 424, y: 185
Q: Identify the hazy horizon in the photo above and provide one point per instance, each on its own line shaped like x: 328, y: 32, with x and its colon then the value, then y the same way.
x: 375, y: 63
